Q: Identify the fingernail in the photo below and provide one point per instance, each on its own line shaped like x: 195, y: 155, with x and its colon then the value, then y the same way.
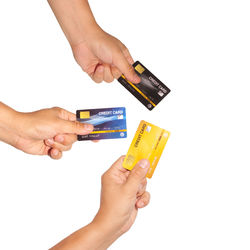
x: 100, y: 69
x: 50, y: 142
x: 55, y: 152
x: 88, y: 127
x: 137, y: 79
x: 60, y: 138
x: 144, y: 163
x: 141, y: 203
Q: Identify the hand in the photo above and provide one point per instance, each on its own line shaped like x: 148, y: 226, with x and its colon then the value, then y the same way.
x: 103, y: 57
x: 99, y: 54
x: 44, y: 132
x: 123, y: 192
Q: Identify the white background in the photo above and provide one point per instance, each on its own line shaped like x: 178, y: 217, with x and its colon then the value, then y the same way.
x: 200, y: 190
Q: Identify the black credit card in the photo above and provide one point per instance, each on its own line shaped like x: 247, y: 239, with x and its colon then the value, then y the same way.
x: 150, y: 91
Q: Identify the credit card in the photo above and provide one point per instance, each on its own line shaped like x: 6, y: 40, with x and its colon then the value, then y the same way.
x: 109, y: 123
x: 148, y: 143
x: 150, y: 91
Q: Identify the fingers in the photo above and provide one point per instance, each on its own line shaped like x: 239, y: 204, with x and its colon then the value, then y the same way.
x: 68, y: 125
x: 144, y: 200
x: 75, y: 127
x: 59, y: 144
x: 55, y: 154
x: 51, y: 143
x: 127, y: 69
x: 105, y: 73
x: 142, y: 187
x: 115, y: 72
x: 98, y: 75
x: 117, y: 165
x: 127, y: 55
x: 66, y: 140
x: 65, y: 114
x: 108, y: 77
x: 137, y: 175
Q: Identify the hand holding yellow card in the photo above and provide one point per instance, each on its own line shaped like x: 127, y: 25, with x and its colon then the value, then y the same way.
x: 148, y: 143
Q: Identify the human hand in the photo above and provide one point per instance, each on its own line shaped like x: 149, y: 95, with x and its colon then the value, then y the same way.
x: 123, y: 193
x: 103, y: 57
x: 45, y: 132
x: 100, y: 55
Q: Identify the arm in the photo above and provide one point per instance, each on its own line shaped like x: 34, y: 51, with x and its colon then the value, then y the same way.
x: 75, y: 18
x: 44, y: 132
x: 123, y: 193
x: 90, y: 237
x: 8, y: 119
x: 100, y: 55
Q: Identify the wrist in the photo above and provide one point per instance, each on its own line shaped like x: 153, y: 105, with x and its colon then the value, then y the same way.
x: 105, y: 233
x: 93, y: 236
x: 75, y: 18
x: 108, y: 224
x: 90, y: 34
x: 8, y: 124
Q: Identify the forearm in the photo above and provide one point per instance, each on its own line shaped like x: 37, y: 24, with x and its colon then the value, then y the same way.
x: 75, y: 18
x: 7, y: 124
x: 91, y: 237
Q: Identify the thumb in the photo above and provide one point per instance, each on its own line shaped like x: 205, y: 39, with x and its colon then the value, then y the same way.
x: 137, y: 175
x: 127, y: 69
x: 75, y: 127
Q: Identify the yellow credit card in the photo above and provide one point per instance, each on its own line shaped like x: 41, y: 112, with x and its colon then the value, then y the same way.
x: 148, y: 143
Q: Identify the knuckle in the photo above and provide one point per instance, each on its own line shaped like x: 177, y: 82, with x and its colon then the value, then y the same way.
x: 138, y: 172
x: 144, y: 182
x: 131, y: 70
x: 57, y: 109
x: 125, y: 49
x: 85, y: 68
x: 116, y: 73
x: 77, y: 125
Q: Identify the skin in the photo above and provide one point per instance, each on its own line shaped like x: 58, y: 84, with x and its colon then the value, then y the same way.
x: 123, y: 193
x: 44, y: 132
x: 52, y: 131
x: 99, y: 54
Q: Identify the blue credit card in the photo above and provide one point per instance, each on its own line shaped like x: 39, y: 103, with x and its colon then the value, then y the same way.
x: 109, y: 123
